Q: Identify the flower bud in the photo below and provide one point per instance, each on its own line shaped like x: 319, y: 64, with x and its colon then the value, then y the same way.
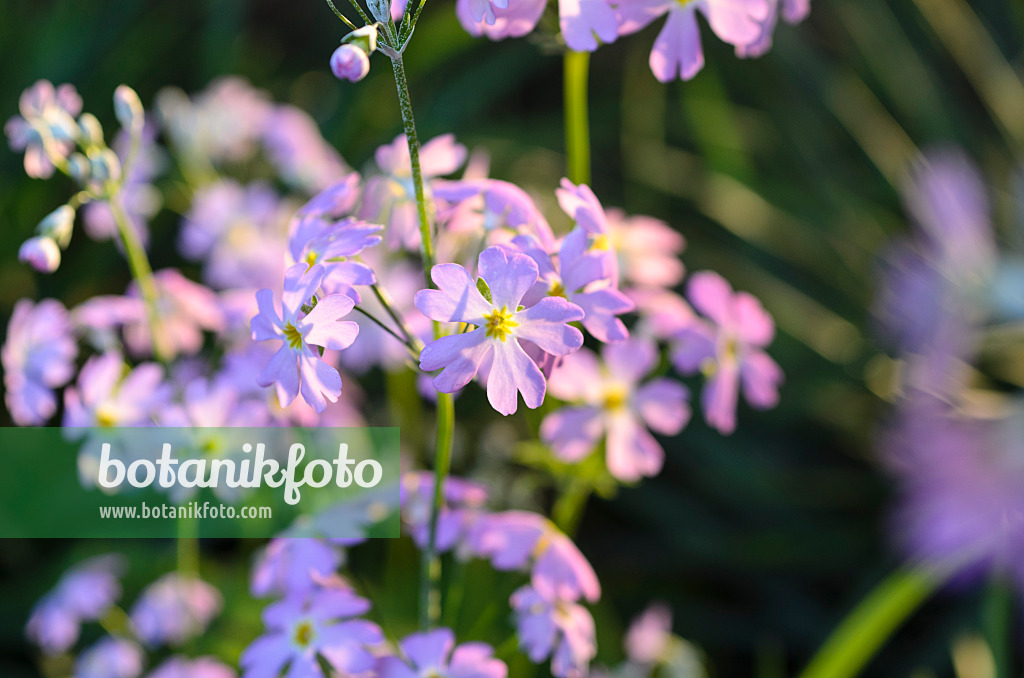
x: 90, y: 130
x: 364, y: 38
x: 58, y: 225
x: 350, y: 63
x: 104, y: 166
x: 78, y: 168
x: 41, y: 253
x: 128, y: 107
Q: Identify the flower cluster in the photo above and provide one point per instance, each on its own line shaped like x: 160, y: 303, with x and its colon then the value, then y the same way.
x: 312, y: 270
x: 747, y: 25
x: 168, y: 613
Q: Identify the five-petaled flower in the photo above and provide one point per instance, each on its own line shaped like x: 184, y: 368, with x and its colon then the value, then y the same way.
x: 297, y: 365
x: 729, y: 349
x: 500, y: 325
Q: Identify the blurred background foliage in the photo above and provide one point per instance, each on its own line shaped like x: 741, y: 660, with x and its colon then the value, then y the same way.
x: 782, y: 173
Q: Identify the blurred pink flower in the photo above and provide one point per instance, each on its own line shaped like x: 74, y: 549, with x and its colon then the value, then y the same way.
x: 729, y: 348
x: 613, y: 404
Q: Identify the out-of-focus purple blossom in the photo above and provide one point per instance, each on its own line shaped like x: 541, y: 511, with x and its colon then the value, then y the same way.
x: 184, y: 308
x: 483, y: 11
x: 728, y: 348
x: 558, y: 629
x: 948, y: 202
x: 663, y: 313
x: 584, y: 272
x: 462, y: 503
x: 238, y: 232
x: 41, y: 253
x: 514, y: 21
x: 335, y: 201
x: 500, y: 326
x: 584, y: 22
x: 648, y: 637
x: 299, y: 629
x: 291, y: 565
x: 648, y: 249
x: 139, y: 198
x: 390, y: 198
x: 38, y: 356
x: 349, y: 62
x: 677, y: 51
x: 299, y: 152
x: 962, y: 477
x: 487, y: 211
x: 613, y: 404
x: 297, y: 367
x: 434, y: 653
x: 200, y: 667
x: 223, y: 123
x: 514, y: 540
x: 795, y: 11
x: 52, y: 110
x: 112, y: 657
x: 108, y: 395
x: 85, y: 593
x: 175, y: 608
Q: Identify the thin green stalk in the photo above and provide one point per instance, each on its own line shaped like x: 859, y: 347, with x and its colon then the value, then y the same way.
x: 426, y: 234
x: 188, y: 546
x: 412, y: 351
x: 577, y: 123
x: 872, y: 622
x: 430, y: 568
x: 341, y: 16
x: 385, y: 300
x: 568, y: 509
x: 141, y: 271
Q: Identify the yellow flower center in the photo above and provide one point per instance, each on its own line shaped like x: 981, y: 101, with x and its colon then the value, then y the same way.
x: 311, y: 258
x: 106, y: 417
x: 601, y: 242
x: 557, y: 290
x: 615, y: 397
x: 292, y: 336
x: 499, y: 323
x: 304, y: 634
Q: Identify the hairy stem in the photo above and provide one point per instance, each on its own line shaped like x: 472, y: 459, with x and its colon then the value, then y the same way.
x: 422, y: 208
x: 577, y: 123
x: 430, y: 568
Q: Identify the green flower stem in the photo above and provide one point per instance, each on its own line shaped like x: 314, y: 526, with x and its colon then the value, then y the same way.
x: 380, y: 323
x: 430, y: 568
x: 872, y: 622
x: 423, y: 211
x: 577, y: 123
x: 141, y: 271
x: 568, y: 509
x: 188, y: 546
x: 386, y: 301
